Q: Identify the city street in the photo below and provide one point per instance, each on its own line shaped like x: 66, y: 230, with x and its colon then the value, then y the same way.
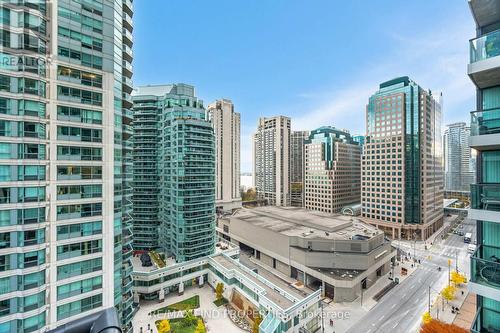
x: 402, y: 308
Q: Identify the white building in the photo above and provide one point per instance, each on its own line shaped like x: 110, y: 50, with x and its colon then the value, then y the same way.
x: 226, y: 124
x: 271, y: 160
x: 458, y: 165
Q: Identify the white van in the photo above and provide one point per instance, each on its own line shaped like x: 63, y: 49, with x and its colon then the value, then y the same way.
x: 471, y: 248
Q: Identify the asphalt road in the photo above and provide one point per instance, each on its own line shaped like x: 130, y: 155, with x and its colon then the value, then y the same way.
x: 402, y: 308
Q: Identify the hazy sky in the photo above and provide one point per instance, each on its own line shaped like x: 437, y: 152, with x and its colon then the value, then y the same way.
x: 315, y: 61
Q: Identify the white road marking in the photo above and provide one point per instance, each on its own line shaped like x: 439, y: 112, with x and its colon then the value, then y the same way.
x: 394, y: 326
x: 404, y: 295
x: 393, y: 306
x: 381, y: 318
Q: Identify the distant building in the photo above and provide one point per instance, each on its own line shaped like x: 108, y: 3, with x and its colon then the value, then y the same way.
x: 226, y: 124
x: 360, y: 139
x: 458, y: 164
x: 271, y: 160
x: 297, y: 139
x: 402, y: 172
x: 332, y: 170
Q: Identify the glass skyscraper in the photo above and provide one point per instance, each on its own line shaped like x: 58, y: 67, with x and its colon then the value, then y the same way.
x: 65, y: 83
x: 402, y: 171
x: 484, y: 71
x: 174, y: 173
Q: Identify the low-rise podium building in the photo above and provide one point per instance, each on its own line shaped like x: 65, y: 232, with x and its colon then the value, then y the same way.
x: 336, y: 253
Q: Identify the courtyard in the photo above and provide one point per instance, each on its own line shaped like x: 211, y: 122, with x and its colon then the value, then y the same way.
x: 216, y: 319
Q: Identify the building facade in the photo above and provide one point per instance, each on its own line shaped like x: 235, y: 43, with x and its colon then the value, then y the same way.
x: 335, y: 253
x: 297, y: 161
x: 226, y: 124
x: 65, y: 191
x: 332, y: 170
x: 458, y: 162
x: 402, y: 172
x: 174, y: 172
x: 484, y: 71
x: 271, y: 160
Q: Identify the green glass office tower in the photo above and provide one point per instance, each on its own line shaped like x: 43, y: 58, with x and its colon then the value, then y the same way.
x: 484, y: 71
x: 402, y: 172
x: 64, y: 184
x: 174, y: 172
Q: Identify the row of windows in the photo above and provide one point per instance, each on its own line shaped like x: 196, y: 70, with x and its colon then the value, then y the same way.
x: 81, y: 96
x: 22, y: 238
x: 78, y: 249
x: 22, y: 260
x: 67, y: 192
x: 82, y: 77
x: 21, y: 282
x: 23, y: 63
x: 22, y: 216
x: 22, y: 41
x: 66, y: 113
x: 22, y: 304
x: 22, y: 151
x: 86, y: 21
x: 79, y: 268
x: 79, y: 172
x: 23, y: 20
x: 22, y: 85
x: 85, y: 59
x: 30, y: 324
x: 87, y: 41
x: 21, y: 194
x: 12, y: 173
x: 22, y: 129
x: 79, y: 153
x: 77, y: 307
x: 79, y: 287
x: 79, y: 230
x: 67, y: 212
x: 79, y: 134
x: 22, y: 107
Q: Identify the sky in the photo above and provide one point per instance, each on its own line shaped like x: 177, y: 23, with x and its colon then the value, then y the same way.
x: 315, y: 61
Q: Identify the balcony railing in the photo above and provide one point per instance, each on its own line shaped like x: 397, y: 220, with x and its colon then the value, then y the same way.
x: 485, y: 266
x: 485, y: 122
x: 485, y: 47
x: 486, y: 321
x: 485, y: 196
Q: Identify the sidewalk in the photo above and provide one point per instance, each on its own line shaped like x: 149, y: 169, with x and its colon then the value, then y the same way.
x: 441, y: 309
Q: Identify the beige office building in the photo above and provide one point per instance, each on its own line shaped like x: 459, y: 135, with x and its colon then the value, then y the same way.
x: 226, y: 124
x: 332, y: 170
x: 271, y: 160
x: 402, y: 171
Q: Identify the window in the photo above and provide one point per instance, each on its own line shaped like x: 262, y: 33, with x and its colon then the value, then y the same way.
x: 79, y: 115
x: 78, y: 287
x: 82, y: 77
x: 76, y: 211
x: 77, y: 307
x: 68, y: 192
x: 4, y: 83
x: 78, y: 95
x: 79, y: 134
x: 77, y: 172
x: 79, y: 153
x: 78, y: 249
x: 79, y: 230
x: 78, y: 268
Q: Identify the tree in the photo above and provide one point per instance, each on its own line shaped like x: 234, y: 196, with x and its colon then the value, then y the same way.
x: 458, y: 278
x: 164, y: 326
x: 426, y: 318
x: 200, y: 328
x: 256, y: 323
x: 189, y: 319
x: 448, y: 292
x: 437, y: 326
x: 219, y: 289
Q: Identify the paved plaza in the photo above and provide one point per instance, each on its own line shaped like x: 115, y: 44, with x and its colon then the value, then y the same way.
x: 216, y: 318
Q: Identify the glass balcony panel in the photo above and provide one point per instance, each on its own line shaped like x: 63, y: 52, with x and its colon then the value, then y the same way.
x: 485, y: 196
x: 485, y: 266
x: 485, y: 47
x: 485, y: 122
